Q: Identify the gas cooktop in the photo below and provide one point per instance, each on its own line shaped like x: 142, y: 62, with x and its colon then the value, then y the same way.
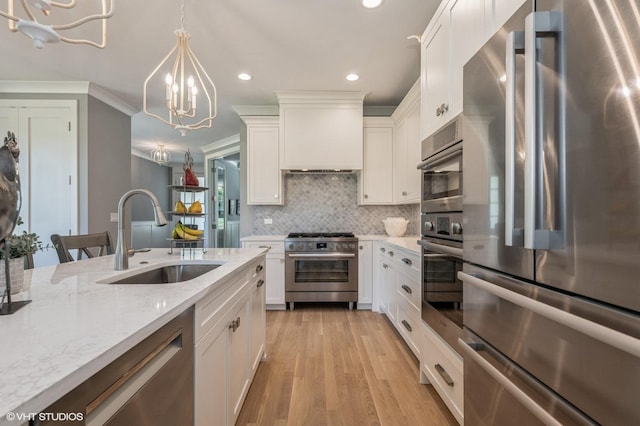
x: 321, y: 235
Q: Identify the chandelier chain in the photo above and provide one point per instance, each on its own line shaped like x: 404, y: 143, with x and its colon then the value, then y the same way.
x: 182, y: 15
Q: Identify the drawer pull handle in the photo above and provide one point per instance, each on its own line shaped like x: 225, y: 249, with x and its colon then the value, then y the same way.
x: 407, y: 288
x: 235, y: 324
x: 407, y: 261
x: 445, y: 376
x: 259, y: 268
x: 267, y: 247
x: 407, y: 326
x: 260, y: 283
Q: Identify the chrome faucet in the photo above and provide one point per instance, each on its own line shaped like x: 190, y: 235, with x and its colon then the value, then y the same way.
x: 122, y: 252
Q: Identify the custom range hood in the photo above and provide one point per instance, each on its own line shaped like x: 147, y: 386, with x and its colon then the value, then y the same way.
x: 320, y: 131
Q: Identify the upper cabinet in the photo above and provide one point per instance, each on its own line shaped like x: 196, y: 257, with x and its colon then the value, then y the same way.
x: 407, y: 148
x: 497, y: 12
x: 375, y: 183
x: 264, y: 177
x: 321, y: 130
x: 454, y: 34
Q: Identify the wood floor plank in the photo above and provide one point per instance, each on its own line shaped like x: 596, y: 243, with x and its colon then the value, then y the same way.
x: 327, y: 365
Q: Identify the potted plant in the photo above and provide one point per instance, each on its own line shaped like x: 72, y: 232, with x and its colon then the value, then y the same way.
x: 20, y: 246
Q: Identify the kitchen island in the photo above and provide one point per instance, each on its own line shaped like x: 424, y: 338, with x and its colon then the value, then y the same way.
x: 75, y: 326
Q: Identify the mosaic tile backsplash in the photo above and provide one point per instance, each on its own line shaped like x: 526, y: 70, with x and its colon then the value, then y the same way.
x: 327, y: 203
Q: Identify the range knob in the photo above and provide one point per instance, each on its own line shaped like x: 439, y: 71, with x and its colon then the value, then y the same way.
x: 291, y: 246
x: 429, y: 226
x: 456, y: 228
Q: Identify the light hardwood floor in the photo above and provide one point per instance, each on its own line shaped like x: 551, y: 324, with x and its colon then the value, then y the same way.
x: 327, y: 365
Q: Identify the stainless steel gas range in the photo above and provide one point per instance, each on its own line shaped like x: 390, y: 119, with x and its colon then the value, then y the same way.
x: 321, y: 267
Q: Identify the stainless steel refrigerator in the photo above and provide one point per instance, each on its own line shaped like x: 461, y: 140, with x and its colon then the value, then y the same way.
x: 552, y: 217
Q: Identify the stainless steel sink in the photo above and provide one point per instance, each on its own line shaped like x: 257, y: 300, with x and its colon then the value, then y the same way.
x: 168, y: 274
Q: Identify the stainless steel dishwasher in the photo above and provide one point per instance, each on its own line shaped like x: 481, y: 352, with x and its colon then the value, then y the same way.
x: 151, y: 384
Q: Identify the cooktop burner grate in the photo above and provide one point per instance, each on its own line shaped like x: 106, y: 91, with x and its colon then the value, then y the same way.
x: 320, y: 235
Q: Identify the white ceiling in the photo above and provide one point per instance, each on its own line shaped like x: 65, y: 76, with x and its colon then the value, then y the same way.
x: 283, y: 44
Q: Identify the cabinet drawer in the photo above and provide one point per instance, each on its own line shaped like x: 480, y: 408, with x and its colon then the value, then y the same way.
x: 444, y: 369
x: 409, y: 288
x: 409, y: 324
x: 214, y: 306
x: 275, y: 247
x: 409, y: 263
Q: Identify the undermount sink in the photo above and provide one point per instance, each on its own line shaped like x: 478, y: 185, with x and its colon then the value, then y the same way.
x: 167, y: 274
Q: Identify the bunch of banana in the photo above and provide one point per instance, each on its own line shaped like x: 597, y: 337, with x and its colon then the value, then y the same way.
x: 195, y: 208
x: 185, y: 233
x: 180, y: 207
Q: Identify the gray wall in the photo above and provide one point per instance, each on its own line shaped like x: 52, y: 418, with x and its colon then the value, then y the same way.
x: 147, y: 174
x: 327, y: 203
x: 107, y: 155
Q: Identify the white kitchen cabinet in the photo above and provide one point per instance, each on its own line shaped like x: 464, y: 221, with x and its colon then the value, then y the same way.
x: 443, y: 368
x: 321, y: 130
x: 229, y: 336
x: 376, y: 179
x: 275, y: 272
x: 455, y: 33
x: 365, y: 274
x: 407, y: 148
x: 264, y: 177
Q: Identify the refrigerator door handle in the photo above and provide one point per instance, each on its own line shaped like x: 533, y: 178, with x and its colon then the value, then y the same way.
x: 537, y: 24
x: 606, y: 335
x: 515, y: 45
x: 508, y: 385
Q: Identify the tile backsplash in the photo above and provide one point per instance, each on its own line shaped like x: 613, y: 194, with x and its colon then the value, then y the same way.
x: 327, y: 203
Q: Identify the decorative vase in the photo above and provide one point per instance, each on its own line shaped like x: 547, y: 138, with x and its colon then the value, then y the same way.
x: 16, y: 272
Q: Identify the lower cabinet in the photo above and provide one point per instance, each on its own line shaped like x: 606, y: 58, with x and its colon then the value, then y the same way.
x: 274, y: 290
x: 443, y: 368
x: 230, y: 338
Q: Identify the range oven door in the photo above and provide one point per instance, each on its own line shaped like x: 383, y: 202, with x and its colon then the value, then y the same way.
x: 442, y: 289
x: 321, y: 272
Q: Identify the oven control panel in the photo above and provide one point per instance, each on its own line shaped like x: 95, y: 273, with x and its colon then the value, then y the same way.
x: 442, y: 225
x: 325, y: 246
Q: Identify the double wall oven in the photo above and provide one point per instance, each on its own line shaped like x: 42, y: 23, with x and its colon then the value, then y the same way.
x: 442, y: 231
x: 321, y: 267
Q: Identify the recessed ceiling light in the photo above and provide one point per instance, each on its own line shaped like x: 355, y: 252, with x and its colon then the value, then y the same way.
x: 244, y: 76
x: 353, y: 77
x: 370, y: 4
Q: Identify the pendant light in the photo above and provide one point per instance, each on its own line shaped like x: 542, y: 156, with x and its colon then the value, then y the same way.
x: 28, y: 24
x: 160, y: 155
x: 189, y: 94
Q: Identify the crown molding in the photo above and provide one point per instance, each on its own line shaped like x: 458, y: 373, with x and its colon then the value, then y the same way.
x: 258, y: 110
x: 320, y: 97
x: 222, y: 144
x: 69, y: 88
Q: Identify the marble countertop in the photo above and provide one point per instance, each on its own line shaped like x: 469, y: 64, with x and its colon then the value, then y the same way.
x: 407, y: 242
x: 75, y: 326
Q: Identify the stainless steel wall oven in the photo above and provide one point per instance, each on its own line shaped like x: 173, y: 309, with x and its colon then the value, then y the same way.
x: 441, y: 244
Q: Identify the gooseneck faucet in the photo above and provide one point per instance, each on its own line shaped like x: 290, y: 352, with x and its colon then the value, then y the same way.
x: 122, y: 251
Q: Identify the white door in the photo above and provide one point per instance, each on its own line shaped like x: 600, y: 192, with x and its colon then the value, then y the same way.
x: 47, y: 137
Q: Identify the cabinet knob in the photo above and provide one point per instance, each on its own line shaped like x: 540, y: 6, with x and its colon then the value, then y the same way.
x: 366, y: 196
x: 391, y: 253
x: 235, y: 324
x: 382, y: 249
x: 404, y: 193
x: 385, y: 266
x: 361, y: 247
x: 259, y: 268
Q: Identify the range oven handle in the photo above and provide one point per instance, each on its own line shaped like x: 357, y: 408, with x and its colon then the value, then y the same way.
x: 307, y: 255
x: 508, y: 385
x: 606, y: 335
x: 453, y: 251
x: 441, y: 157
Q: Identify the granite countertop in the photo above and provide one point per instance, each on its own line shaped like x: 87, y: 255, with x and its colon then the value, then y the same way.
x: 75, y: 326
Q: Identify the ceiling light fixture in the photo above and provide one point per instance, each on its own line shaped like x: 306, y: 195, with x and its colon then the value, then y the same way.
x: 41, y: 33
x: 183, y: 81
x: 352, y: 77
x: 160, y: 155
x: 371, y: 4
x: 244, y: 76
